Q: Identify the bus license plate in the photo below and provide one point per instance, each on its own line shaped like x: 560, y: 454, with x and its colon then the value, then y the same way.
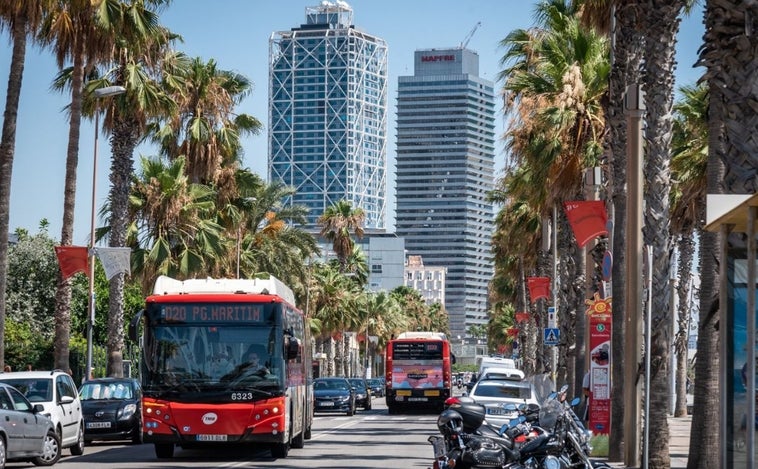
x: 210, y: 437
x: 403, y: 393
x: 432, y: 393
x: 417, y: 399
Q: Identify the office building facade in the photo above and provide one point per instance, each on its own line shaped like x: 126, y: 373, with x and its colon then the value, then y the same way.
x: 328, y: 114
x: 445, y: 169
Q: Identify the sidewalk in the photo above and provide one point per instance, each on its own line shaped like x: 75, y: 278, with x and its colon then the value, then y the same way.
x: 679, y: 442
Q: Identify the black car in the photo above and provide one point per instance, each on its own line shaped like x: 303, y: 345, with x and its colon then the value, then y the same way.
x: 362, y: 392
x: 377, y: 387
x: 112, y: 409
x: 334, y: 395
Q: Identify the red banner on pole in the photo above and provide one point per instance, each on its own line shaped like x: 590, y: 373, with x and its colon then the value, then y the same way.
x: 522, y: 316
x: 588, y: 219
x: 599, y: 311
x: 539, y: 287
x: 72, y: 259
x: 512, y: 331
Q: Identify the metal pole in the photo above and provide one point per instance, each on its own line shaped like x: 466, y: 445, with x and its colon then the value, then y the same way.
x: 648, y: 348
x: 554, y: 348
x: 238, y: 252
x: 635, y: 109
x: 91, y: 257
x: 99, y: 93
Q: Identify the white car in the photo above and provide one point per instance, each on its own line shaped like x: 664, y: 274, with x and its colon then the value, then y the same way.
x: 495, y: 394
x: 57, y: 393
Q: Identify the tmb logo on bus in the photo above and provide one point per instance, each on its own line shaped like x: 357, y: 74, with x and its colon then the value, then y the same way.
x: 417, y: 375
x: 210, y: 418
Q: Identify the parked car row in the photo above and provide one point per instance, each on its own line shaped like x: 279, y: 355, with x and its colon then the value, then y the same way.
x: 336, y: 394
x: 41, y: 413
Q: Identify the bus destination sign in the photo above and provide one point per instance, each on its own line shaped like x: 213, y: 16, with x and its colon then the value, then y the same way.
x: 206, y: 312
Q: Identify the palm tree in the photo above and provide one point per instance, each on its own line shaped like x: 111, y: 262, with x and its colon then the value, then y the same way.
x: 730, y: 169
x: 661, y: 29
x: 206, y: 129
x: 22, y: 18
x: 555, y: 79
x: 688, y: 165
x: 141, y: 57
x: 173, y: 227
x: 269, y: 238
x: 338, y: 223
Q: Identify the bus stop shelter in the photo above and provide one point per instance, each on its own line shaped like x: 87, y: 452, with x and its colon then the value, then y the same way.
x: 735, y: 217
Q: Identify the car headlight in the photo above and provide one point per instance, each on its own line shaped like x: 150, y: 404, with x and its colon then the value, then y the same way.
x: 344, y: 398
x: 126, y: 412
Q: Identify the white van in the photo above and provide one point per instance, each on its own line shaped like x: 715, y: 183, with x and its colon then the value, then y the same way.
x: 486, y: 362
x: 496, y: 372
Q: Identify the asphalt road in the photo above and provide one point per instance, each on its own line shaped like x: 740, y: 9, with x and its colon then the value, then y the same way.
x: 369, y: 439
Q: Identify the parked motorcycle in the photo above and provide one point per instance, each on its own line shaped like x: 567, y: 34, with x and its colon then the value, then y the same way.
x: 552, y: 438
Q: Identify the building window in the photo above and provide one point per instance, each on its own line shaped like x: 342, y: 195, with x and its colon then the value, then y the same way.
x: 376, y: 268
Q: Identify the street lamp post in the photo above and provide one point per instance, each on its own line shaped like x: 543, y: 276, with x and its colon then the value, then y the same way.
x: 99, y: 93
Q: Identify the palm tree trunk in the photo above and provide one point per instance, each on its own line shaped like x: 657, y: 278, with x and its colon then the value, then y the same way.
x: 627, y: 52
x: 659, y: 87
x: 123, y: 140
x: 686, y: 252
x: 730, y: 40
x: 63, y: 292
x: 7, y: 150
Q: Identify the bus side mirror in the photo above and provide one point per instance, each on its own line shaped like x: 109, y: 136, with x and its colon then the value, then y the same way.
x: 134, y: 326
x: 452, y: 359
x: 293, y: 348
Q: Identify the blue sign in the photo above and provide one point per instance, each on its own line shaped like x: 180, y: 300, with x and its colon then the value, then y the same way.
x: 552, y: 336
x: 607, y: 266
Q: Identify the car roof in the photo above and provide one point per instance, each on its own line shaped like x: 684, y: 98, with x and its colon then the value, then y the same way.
x: 500, y: 372
x: 331, y: 378
x: 111, y: 379
x: 30, y: 374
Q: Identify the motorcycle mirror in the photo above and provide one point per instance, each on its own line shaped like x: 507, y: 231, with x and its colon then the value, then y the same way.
x: 575, y: 402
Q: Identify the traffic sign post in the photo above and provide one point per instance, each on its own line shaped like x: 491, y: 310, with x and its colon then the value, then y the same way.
x: 552, y: 336
x: 551, y: 321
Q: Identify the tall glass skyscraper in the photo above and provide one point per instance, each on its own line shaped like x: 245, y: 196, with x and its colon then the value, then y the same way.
x: 328, y: 113
x: 445, y: 168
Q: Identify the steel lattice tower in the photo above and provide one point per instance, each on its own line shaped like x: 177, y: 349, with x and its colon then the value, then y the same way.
x: 328, y: 113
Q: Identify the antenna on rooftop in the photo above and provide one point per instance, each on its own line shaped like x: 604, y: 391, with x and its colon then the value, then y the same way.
x: 468, y: 37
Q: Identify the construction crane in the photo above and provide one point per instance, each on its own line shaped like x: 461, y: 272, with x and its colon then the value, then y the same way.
x: 465, y: 41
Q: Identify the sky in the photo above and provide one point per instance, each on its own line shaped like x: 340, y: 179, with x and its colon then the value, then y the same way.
x: 236, y: 33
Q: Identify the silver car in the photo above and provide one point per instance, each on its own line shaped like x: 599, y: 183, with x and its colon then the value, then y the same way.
x: 27, y: 435
x: 496, y: 394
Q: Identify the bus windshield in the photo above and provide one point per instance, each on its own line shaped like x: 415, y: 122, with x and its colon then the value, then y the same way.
x: 200, y: 362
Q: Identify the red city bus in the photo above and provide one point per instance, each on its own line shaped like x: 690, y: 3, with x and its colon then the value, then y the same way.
x: 224, y: 361
x: 418, y: 370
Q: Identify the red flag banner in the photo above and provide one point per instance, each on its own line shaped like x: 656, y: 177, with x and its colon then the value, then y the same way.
x: 512, y: 332
x: 522, y: 316
x: 539, y: 287
x: 588, y: 219
x: 72, y: 259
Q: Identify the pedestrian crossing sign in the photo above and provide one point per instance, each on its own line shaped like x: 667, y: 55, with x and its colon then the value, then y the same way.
x: 552, y: 336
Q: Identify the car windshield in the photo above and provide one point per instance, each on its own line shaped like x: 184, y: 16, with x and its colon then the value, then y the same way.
x: 35, y: 389
x: 358, y: 383
x: 502, y: 390
x: 330, y: 384
x: 374, y: 382
x: 105, y: 391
